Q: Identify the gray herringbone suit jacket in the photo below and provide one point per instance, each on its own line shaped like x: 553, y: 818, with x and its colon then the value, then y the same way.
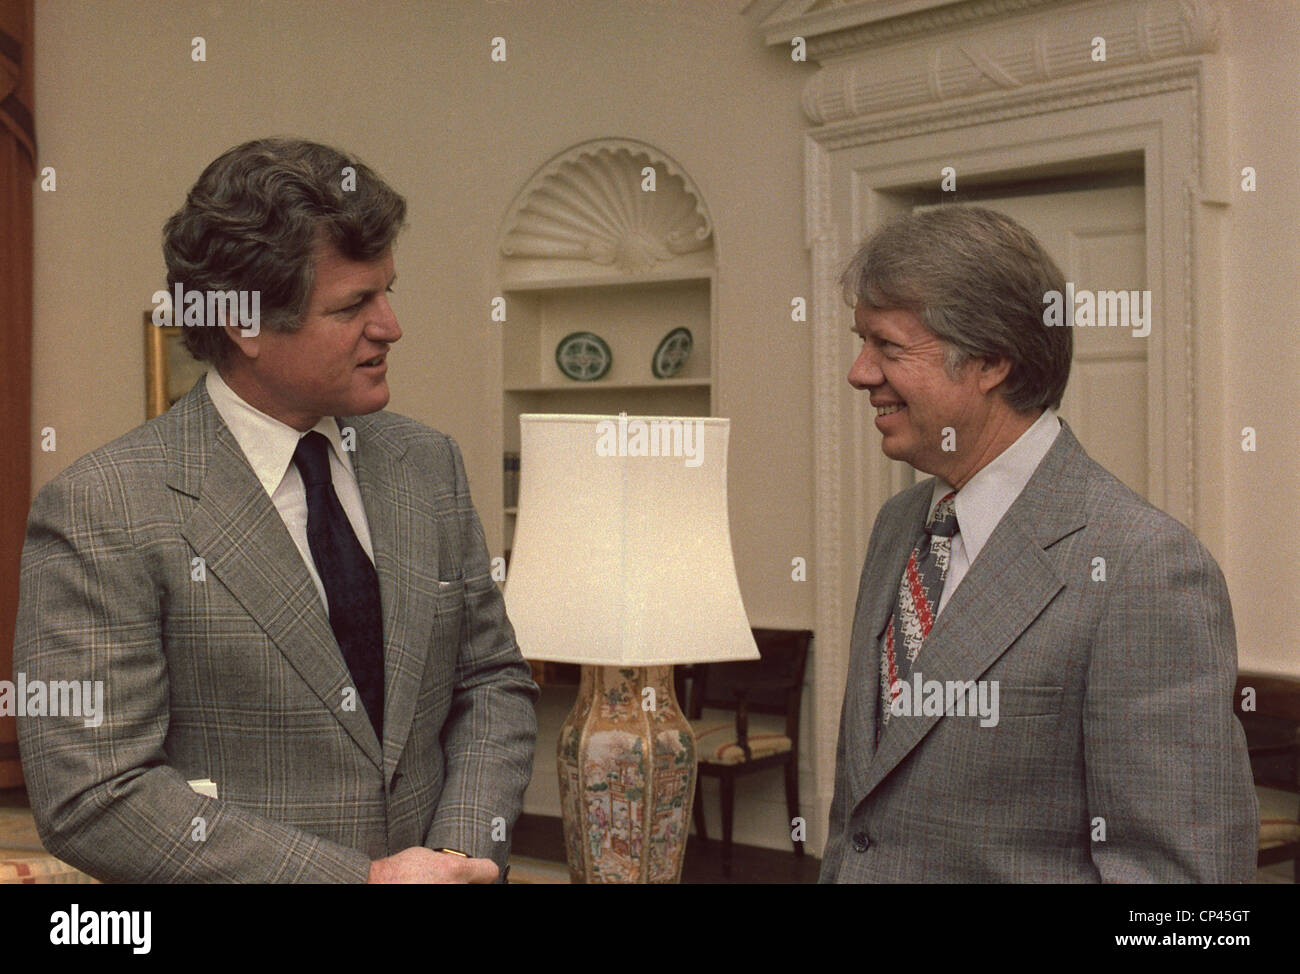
x: 1115, y: 703
x: 228, y: 669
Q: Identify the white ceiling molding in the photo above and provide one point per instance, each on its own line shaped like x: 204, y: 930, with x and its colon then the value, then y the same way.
x: 1034, y: 47
x: 832, y: 26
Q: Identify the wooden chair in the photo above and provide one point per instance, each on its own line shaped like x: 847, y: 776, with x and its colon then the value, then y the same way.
x: 729, y: 745
x: 1273, y: 740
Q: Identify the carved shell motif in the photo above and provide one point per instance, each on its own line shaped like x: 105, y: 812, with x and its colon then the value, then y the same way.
x: 595, y: 204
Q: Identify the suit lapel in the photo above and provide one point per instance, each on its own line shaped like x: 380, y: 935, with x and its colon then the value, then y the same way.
x: 238, y: 532
x: 1009, y: 585
x: 403, y: 542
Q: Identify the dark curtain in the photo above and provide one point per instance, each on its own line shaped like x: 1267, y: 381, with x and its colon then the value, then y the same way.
x: 17, y: 177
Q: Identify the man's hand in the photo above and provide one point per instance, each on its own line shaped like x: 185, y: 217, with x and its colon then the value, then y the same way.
x: 420, y: 865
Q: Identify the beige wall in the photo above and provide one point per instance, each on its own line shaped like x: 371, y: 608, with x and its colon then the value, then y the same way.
x: 1261, y: 385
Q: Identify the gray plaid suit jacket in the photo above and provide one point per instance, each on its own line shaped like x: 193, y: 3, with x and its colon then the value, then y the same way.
x: 1115, y: 703
x: 229, y: 670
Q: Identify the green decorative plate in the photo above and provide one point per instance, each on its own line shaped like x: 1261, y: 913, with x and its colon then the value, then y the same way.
x: 583, y: 356
x: 672, y: 353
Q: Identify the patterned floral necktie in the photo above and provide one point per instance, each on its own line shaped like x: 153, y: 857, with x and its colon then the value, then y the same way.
x: 917, y: 604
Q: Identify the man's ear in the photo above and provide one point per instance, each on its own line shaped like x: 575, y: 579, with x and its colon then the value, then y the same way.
x: 246, y: 346
x: 993, y: 372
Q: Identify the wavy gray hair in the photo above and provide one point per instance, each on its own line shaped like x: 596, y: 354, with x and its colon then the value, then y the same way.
x: 976, y: 279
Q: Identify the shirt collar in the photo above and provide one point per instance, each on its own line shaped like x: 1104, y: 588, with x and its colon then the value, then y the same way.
x: 994, y: 488
x: 268, y: 444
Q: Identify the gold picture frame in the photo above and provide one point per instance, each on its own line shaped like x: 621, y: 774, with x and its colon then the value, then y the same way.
x: 169, y: 369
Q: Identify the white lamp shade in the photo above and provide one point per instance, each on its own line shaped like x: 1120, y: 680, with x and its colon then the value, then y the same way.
x: 622, y: 548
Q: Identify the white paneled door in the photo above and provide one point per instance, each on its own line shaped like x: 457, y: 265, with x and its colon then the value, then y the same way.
x: 1097, y: 237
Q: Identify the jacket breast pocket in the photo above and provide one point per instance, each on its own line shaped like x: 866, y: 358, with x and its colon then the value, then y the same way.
x: 449, y: 615
x: 439, y: 679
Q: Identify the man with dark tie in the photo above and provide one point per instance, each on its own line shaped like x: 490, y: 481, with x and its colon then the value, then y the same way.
x: 284, y: 589
x: 1013, y: 713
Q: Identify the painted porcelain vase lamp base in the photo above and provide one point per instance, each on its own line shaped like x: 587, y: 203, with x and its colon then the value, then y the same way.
x: 627, y: 777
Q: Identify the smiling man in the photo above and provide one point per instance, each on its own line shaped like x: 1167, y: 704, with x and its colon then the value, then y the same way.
x: 309, y: 675
x: 1042, y: 663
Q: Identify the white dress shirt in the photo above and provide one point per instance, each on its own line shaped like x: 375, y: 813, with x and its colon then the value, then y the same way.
x: 989, y: 494
x: 269, y: 445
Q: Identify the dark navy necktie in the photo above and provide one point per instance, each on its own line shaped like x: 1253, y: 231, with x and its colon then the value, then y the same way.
x: 351, y: 585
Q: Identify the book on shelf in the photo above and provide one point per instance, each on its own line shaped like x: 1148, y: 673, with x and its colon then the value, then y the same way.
x: 510, y: 469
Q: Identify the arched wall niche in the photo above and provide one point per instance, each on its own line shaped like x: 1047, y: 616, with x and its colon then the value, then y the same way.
x: 604, y: 208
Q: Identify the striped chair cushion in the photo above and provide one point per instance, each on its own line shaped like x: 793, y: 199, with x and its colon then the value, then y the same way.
x: 715, y: 737
x: 1277, y: 831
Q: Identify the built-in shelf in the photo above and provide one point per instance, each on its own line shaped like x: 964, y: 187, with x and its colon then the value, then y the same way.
x: 632, y: 320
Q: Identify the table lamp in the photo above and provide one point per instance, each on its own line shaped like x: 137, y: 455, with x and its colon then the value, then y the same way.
x: 622, y: 563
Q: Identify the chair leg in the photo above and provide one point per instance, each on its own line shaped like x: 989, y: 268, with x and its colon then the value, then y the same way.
x: 699, y: 809
x: 792, y: 801
x: 728, y: 786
